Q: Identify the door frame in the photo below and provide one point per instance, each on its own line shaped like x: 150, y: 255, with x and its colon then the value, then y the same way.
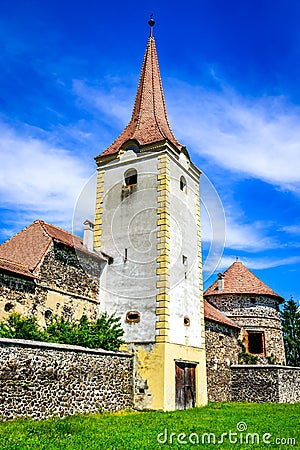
x: 192, y: 389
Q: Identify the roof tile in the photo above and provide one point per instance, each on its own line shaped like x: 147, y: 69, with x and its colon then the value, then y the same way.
x: 212, y: 313
x: 13, y: 267
x: 240, y: 280
x: 149, y: 122
x: 29, y: 246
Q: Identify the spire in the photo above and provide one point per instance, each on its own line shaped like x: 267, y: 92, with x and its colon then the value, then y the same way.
x: 149, y: 122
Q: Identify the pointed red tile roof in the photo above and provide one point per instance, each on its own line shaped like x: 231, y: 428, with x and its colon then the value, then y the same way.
x: 28, y: 247
x: 240, y: 280
x: 149, y: 122
x: 212, y: 313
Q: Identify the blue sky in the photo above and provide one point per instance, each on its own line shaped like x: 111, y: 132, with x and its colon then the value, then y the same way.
x: 230, y: 70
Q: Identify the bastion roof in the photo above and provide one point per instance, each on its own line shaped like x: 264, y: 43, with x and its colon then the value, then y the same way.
x: 23, y: 252
x: 238, y: 279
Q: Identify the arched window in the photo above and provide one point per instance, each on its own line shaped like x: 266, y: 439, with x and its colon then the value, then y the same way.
x: 183, y: 184
x: 130, y: 177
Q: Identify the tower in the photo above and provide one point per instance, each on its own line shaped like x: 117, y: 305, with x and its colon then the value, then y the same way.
x: 254, y: 307
x: 148, y: 220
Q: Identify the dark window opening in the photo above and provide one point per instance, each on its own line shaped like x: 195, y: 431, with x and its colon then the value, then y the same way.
x: 48, y: 314
x: 256, y: 342
x: 186, y: 321
x: 184, y: 260
x: 182, y: 184
x: 130, y: 177
x: 133, y: 317
x: 125, y: 255
x: 8, y: 307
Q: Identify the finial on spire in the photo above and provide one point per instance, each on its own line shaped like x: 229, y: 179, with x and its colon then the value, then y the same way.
x: 151, y: 23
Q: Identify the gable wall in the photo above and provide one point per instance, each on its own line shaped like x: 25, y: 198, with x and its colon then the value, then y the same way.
x: 64, y: 286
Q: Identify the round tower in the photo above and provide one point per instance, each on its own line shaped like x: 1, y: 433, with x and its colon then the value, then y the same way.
x: 252, y: 305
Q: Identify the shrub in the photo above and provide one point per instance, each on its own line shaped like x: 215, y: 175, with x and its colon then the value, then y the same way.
x: 17, y: 327
x: 244, y: 357
x: 105, y: 333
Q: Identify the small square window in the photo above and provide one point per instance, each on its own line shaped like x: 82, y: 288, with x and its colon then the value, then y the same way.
x: 256, y: 342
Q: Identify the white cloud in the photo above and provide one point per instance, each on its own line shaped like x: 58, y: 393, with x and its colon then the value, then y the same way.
x: 255, y: 137
x: 37, y: 178
x: 258, y: 263
x: 291, y: 229
x: 113, y: 102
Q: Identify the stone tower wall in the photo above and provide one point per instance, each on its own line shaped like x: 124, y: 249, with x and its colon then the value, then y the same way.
x: 255, y: 313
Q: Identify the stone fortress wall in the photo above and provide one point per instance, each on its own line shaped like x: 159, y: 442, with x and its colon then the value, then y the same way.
x: 222, y: 351
x: 255, y: 313
x: 41, y: 380
x: 265, y: 383
x: 67, y: 285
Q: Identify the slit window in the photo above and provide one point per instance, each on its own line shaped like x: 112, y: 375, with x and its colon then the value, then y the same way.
x: 182, y: 184
x: 256, y: 342
x: 186, y: 321
x: 130, y: 177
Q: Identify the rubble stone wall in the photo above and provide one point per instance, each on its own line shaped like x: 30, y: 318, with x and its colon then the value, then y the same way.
x: 255, y: 313
x: 67, y: 284
x: 222, y: 351
x: 276, y: 384
x: 41, y: 380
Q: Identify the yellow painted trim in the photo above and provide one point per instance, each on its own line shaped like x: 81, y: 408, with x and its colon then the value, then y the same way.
x: 164, y: 296
x: 99, y: 210
x: 163, y: 248
x: 163, y: 323
x: 163, y: 304
x: 160, y: 311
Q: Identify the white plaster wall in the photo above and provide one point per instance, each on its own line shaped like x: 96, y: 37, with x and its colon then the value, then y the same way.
x: 184, y: 289
x: 131, y: 223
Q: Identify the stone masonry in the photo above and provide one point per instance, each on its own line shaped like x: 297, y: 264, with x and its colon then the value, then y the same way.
x: 255, y: 312
x: 67, y: 285
x: 222, y: 351
x: 265, y: 383
x: 41, y: 380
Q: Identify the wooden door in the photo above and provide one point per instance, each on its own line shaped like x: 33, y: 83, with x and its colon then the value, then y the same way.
x: 185, y: 385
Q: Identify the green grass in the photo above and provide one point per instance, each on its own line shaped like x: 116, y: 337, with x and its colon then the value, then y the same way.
x: 139, y: 430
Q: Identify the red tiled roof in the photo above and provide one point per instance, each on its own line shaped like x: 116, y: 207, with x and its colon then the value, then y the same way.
x: 29, y: 246
x: 212, y: 313
x: 13, y: 267
x: 240, y: 280
x: 149, y: 122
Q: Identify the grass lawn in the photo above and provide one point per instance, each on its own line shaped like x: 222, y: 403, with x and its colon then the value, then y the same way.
x: 140, y: 430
